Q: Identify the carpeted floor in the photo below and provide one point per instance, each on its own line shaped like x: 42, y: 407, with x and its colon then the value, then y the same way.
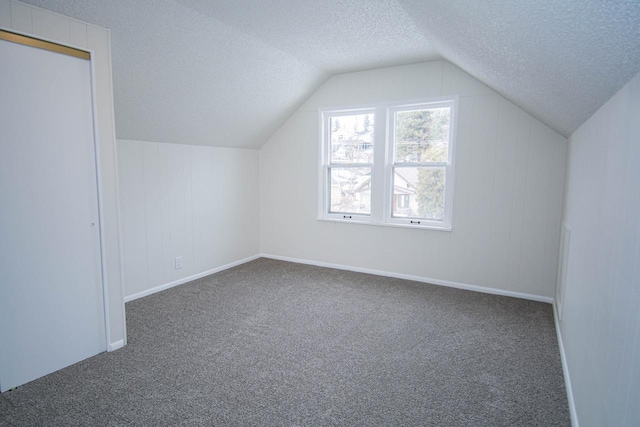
x: 276, y: 343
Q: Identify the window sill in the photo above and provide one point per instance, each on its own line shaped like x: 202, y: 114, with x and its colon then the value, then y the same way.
x: 385, y: 224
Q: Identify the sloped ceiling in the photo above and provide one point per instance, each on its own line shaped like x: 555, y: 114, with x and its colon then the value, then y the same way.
x: 558, y: 59
x: 229, y: 72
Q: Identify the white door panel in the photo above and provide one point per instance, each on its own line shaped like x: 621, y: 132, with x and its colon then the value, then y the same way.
x: 51, y: 300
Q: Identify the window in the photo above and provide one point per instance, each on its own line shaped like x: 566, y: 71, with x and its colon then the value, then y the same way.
x: 401, y: 174
x: 420, y: 149
x: 347, y: 170
x: 403, y: 201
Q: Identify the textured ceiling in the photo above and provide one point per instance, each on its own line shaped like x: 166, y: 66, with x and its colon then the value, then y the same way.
x: 558, y: 59
x: 332, y: 35
x: 228, y: 73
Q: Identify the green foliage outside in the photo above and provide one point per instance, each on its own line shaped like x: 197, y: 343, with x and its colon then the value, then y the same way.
x: 430, y: 193
x: 422, y: 136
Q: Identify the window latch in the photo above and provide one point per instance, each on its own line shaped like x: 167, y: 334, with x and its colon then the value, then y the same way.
x: 346, y: 216
x: 415, y: 222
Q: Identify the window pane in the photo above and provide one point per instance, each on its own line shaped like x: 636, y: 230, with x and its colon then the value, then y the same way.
x: 419, y: 193
x: 350, y: 190
x: 351, y: 138
x: 422, y: 135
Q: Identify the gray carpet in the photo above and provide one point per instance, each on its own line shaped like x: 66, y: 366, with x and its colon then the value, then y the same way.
x: 276, y: 343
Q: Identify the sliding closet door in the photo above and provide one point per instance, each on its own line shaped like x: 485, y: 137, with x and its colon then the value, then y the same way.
x: 51, y: 301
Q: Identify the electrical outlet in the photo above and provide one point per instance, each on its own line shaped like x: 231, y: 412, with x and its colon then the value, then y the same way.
x: 178, y: 262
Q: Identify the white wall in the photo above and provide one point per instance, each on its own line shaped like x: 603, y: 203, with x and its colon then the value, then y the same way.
x: 197, y: 202
x: 41, y: 23
x: 508, y: 196
x: 600, y: 327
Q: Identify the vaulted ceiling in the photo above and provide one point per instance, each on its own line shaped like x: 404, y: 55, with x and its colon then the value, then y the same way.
x: 229, y: 72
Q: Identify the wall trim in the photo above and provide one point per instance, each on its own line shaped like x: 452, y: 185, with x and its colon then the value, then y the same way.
x: 117, y: 187
x: 113, y: 346
x: 188, y: 279
x: 565, y: 371
x: 438, y: 282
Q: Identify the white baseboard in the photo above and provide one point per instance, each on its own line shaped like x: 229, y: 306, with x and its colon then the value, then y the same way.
x: 188, y: 279
x: 565, y: 370
x: 446, y: 283
x: 113, y: 346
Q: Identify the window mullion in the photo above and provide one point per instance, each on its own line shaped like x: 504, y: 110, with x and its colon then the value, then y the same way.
x: 350, y: 165
x: 378, y: 172
x: 421, y: 165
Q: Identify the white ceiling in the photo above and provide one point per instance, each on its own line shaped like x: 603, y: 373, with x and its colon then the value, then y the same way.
x: 558, y: 59
x: 229, y: 72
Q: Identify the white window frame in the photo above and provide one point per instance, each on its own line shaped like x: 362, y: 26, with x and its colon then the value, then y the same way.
x: 326, y: 165
x: 449, y: 165
x: 383, y: 163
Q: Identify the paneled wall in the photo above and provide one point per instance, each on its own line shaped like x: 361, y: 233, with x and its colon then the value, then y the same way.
x: 37, y: 22
x: 195, y: 202
x: 508, y: 189
x: 600, y: 326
